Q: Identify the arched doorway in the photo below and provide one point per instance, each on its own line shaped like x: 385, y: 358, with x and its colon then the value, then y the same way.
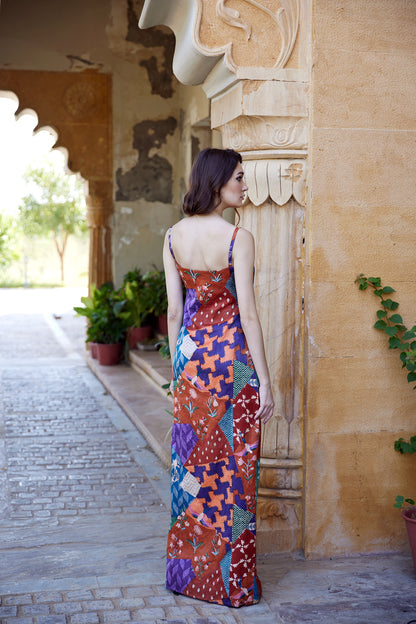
x: 78, y: 107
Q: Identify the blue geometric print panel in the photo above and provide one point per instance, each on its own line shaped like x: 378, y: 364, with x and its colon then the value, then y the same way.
x: 185, y: 348
x: 180, y: 499
x: 226, y: 426
x: 242, y: 375
x: 230, y: 286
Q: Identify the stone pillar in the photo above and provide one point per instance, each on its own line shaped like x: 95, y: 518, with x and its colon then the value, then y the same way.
x: 99, y: 213
x: 274, y: 150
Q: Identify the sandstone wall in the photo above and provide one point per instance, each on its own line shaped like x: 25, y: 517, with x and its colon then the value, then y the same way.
x: 361, y: 218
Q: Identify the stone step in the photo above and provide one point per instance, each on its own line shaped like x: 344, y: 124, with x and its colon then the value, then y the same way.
x: 138, y: 391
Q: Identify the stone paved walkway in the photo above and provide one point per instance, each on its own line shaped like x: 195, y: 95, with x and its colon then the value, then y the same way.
x: 84, y: 506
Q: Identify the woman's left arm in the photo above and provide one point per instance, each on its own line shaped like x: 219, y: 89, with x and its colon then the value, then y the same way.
x: 175, y: 297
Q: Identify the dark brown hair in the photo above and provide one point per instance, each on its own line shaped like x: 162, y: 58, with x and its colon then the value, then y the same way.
x: 210, y: 172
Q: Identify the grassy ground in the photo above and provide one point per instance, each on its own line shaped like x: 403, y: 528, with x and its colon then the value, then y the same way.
x: 42, y: 268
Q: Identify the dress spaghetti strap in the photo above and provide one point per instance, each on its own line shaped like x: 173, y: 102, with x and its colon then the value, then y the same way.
x: 230, y: 252
x: 170, y: 244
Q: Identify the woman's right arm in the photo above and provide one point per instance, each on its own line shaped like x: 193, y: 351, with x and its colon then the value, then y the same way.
x: 243, y: 270
x: 175, y: 297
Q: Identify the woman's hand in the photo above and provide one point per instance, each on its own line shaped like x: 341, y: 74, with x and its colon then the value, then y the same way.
x: 265, y: 411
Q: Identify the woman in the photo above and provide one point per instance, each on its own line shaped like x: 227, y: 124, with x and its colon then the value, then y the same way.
x: 221, y: 388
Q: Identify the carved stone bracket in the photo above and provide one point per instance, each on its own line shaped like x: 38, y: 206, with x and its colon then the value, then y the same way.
x: 256, y: 41
x: 234, y: 32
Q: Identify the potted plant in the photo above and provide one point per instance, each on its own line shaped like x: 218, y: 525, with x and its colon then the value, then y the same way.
x: 155, y: 280
x: 138, y: 307
x: 105, y: 311
x: 407, y: 505
x: 90, y: 304
x: 403, y: 339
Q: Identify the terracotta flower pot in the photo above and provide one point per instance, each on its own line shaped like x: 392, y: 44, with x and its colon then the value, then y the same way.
x: 138, y: 334
x: 93, y: 350
x: 411, y: 529
x: 108, y: 354
x: 162, y: 323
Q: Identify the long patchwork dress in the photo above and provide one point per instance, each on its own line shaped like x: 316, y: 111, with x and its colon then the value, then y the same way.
x: 211, y: 550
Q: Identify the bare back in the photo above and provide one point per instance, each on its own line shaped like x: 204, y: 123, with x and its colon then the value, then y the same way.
x: 201, y: 243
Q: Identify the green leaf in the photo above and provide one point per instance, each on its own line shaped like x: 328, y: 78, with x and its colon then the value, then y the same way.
x: 396, y: 318
x: 387, y: 290
x: 375, y: 280
x: 391, y: 331
x: 378, y: 293
x: 381, y: 314
x: 403, y: 357
x: 380, y: 324
x: 409, y: 335
x: 411, y: 377
x: 394, y: 342
x: 399, y: 501
x: 389, y: 304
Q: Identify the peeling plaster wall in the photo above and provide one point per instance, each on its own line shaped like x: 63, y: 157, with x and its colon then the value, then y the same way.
x: 153, y: 115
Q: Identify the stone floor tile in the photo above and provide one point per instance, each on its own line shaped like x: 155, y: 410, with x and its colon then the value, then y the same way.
x: 79, y: 594
x: 51, y: 619
x: 8, y: 611
x: 138, y: 592
x: 149, y: 614
x: 161, y: 601
x: 182, y: 611
x: 131, y: 603
x: 35, y: 609
x: 50, y: 596
x: 116, y: 617
x: 68, y: 607
x: 97, y: 605
x: 21, y: 599
x: 113, y: 592
x: 84, y: 618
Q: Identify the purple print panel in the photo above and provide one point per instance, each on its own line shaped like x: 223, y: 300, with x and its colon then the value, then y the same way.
x: 192, y: 306
x: 184, y: 439
x: 179, y: 573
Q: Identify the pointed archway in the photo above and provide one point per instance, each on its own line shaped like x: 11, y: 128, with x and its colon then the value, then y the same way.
x: 78, y: 107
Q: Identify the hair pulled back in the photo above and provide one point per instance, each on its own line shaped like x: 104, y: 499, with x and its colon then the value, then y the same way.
x: 210, y: 172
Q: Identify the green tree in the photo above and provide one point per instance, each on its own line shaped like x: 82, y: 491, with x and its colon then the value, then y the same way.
x: 54, y: 206
x: 8, y: 240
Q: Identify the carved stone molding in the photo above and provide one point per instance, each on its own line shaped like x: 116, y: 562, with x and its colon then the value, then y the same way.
x: 255, y: 132
x: 276, y: 178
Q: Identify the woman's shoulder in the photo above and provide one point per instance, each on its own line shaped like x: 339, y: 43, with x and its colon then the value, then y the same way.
x: 244, y: 237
